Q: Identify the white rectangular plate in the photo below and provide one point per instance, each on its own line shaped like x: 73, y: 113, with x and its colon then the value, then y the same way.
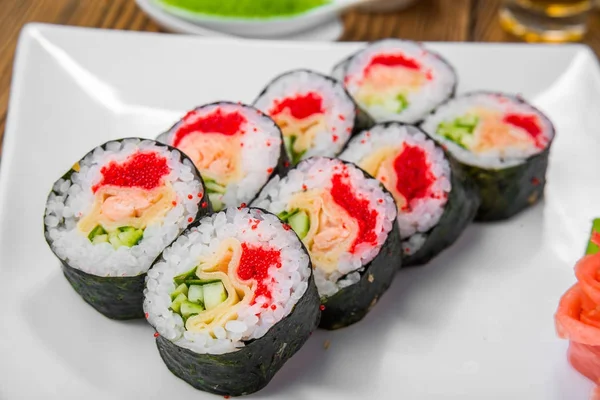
x: 476, y: 323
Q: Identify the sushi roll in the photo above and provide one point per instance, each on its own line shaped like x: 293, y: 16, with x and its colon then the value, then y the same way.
x: 502, y: 142
x: 113, y: 212
x: 397, y: 80
x: 232, y: 299
x: 435, y: 203
x: 235, y: 147
x: 315, y: 113
x: 347, y: 221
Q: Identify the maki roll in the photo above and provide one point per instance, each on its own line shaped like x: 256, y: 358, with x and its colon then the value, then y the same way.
x: 235, y: 147
x: 347, y: 221
x: 397, y: 80
x: 232, y: 299
x: 435, y: 203
x: 502, y: 142
x: 111, y: 215
x: 315, y: 113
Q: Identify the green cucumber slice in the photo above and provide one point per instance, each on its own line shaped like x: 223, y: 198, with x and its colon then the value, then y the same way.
x: 215, y: 200
x: 467, y: 121
x: 195, y: 294
x: 176, y: 303
x: 214, y: 187
x: 179, y: 279
x: 402, y: 102
x: 188, y: 309
x: 113, y: 238
x: 181, y: 289
x: 131, y: 236
x: 100, y: 239
x: 286, y: 215
x: 214, y: 294
x: 97, y: 231
x: 288, y: 142
x: 200, y: 282
x: 300, y: 223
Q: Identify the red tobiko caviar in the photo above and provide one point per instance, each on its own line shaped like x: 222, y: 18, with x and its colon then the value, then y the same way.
x: 204, y: 204
x: 216, y: 122
x: 322, y: 307
x: 273, y: 307
x: 393, y: 60
x: 535, y: 181
x: 286, y: 164
x: 302, y: 106
x: 335, y: 138
x: 529, y: 123
x: 141, y: 170
x: 174, y: 203
x: 190, y: 219
x: 255, y: 262
x: 414, y: 174
x: 190, y: 196
x: 358, y: 208
x: 156, y: 334
x: 146, y: 315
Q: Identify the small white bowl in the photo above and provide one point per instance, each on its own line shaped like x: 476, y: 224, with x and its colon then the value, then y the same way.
x: 264, y: 27
x: 330, y: 30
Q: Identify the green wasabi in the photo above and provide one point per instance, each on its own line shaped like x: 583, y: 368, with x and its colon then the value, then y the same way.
x: 248, y: 9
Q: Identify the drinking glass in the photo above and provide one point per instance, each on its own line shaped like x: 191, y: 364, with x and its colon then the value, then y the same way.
x: 546, y: 20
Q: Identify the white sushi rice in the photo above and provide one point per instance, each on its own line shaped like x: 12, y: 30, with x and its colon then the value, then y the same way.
x: 258, y: 159
x: 290, y: 282
x: 504, y: 104
x: 421, y: 102
x: 317, y: 173
x: 336, y: 101
x: 73, y: 199
x: 425, y: 212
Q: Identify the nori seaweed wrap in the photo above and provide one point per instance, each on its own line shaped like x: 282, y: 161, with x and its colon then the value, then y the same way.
x: 316, y: 114
x: 236, y: 148
x: 435, y: 201
x: 502, y: 143
x: 347, y: 221
x: 113, y: 212
x: 232, y: 299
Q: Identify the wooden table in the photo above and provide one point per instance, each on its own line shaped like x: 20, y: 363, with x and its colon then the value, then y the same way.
x: 428, y: 20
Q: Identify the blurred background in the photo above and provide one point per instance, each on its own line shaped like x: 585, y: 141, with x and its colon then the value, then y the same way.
x: 554, y: 21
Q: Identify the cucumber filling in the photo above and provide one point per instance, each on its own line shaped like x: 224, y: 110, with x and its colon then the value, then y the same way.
x: 460, y: 131
x: 215, y: 200
x: 192, y: 295
x: 298, y: 220
x: 213, y: 186
x: 289, y: 147
x: 402, y: 103
x: 126, y: 236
